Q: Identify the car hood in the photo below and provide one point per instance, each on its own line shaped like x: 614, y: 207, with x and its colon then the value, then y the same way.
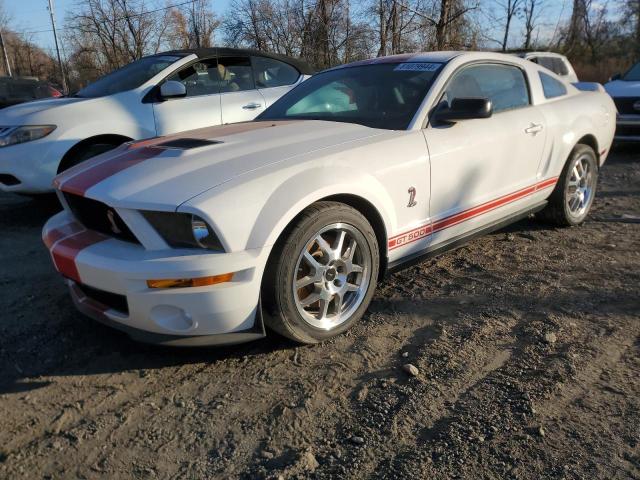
x: 162, y: 173
x: 621, y: 88
x: 16, y: 114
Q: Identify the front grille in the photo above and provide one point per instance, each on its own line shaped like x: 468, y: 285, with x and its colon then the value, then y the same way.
x: 625, y: 104
x: 4, y: 130
x: 111, y: 300
x: 627, y: 131
x: 97, y: 216
x: 8, y: 180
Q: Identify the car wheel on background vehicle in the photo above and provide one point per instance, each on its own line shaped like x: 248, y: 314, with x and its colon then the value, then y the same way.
x: 85, y: 153
x: 322, y: 273
x: 571, y: 200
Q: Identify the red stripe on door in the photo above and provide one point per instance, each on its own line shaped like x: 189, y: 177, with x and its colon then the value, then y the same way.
x: 65, y: 251
x: 423, y: 231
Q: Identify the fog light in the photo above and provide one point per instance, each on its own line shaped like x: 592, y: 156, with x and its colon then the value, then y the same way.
x: 190, y: 282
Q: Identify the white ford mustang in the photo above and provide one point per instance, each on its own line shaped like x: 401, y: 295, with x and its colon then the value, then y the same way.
x: 291, y: 220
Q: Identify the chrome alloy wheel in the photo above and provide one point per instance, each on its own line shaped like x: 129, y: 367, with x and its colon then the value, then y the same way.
x: 332, y: 276
x: 580, y: 188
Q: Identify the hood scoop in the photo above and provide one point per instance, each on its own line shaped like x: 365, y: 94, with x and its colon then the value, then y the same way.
x: 186, y: 143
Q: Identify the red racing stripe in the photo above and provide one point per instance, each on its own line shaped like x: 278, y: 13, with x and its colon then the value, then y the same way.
x: 65, y: 251
x: 423, y: 231
x: 83, y: 181
x: 55, y: 234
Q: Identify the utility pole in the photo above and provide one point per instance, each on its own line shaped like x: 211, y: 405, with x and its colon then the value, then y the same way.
x: 55, y: 38
x: 4, y: 51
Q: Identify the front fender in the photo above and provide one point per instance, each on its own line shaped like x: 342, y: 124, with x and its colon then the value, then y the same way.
x: 263, y: 206
x: 308, y: 187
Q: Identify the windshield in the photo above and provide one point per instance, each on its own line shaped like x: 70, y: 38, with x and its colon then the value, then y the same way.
x: 128, y: 77
x: 378, y: 96
x: 633, y: 75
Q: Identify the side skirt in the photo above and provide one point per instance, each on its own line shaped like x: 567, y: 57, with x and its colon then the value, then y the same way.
x: 460, y: 240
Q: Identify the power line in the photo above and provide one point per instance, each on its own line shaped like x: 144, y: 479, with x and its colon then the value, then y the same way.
x: 124, y: 17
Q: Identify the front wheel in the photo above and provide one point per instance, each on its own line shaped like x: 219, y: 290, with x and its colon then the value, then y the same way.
x: 571, y: 200
x: 322, y: 274
x: 85, y: 153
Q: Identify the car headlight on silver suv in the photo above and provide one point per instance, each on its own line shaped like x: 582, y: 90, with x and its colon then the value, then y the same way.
x: 183, y: 230
x: 24, y: 133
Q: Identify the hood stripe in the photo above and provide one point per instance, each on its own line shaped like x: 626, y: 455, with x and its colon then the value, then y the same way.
x: 80, y: 183
x: 81, y: 178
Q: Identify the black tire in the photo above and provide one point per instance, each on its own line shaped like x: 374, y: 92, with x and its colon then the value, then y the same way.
x: 278, y: 294
x: 558, y: 212
x: 85, y: 153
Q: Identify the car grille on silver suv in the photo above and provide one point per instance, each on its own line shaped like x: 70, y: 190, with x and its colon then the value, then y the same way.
x: 625, y: 105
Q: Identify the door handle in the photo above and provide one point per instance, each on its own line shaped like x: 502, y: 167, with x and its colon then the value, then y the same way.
x: 252, y: 106
x: 534, y: 128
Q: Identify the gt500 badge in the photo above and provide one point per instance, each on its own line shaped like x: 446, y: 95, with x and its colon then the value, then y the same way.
x: 417, y: 67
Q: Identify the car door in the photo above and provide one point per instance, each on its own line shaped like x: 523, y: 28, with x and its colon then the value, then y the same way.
x: 239, y: 99
x: 273, y: 77
x: 481, y: 168
x: 199, y: 108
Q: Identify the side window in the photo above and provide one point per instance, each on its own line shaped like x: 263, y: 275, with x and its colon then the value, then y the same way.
x: 546, y: 62
x: 200, y: 78
x: 270, y: 72
x: 504, y: 85
x: 551, y: 87
x: 235, y: 74
x: 560, y: 67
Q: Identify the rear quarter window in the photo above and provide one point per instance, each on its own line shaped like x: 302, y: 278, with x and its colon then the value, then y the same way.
x: 551, y: 87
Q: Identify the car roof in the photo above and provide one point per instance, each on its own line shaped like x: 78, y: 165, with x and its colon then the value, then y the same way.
x: 302, y: 66
x: 427, y: 57
x: 434, y: 57
x: 524, y: 54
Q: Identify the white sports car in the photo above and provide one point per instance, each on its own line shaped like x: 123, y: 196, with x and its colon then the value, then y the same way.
x: 291, y: 220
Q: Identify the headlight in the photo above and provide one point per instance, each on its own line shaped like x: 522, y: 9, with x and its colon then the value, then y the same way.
x: 183, y: 230
x: 26, y: 133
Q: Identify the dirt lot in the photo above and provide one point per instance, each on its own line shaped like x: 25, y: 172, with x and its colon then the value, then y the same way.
x: 527, y: 343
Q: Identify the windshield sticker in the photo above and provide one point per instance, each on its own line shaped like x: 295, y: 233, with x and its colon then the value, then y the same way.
x: 417, y: 67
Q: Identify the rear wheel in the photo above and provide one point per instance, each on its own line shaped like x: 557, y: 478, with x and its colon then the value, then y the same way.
x: 571, y: 200
x: 322, y: 275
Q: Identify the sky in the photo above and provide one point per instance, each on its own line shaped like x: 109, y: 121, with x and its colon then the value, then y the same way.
x: 33, y: 16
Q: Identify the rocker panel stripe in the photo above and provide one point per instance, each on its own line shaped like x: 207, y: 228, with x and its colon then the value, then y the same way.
x: 423, y: 231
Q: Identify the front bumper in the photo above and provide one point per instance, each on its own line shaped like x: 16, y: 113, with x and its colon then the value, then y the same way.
x: 29, y: 167
x: 226, y: 313
x: 627, y: 128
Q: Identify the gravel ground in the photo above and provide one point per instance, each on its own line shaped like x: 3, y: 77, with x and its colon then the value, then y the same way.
x: 524, y: 345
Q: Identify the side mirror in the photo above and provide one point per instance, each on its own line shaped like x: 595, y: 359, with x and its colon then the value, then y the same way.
x: 617, y: 76
x: 172, y: 89
x: 464, y: 109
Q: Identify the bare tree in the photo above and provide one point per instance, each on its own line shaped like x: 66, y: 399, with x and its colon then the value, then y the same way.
x: 115, y: 32
x: 451, y: 23
x: 4, y: 57
x: 532, y: 10
x: 576, y: 30
x: 192, y: 27
x: 510, y: 9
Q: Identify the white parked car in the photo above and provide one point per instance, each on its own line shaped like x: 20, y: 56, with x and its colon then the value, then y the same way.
x: 558, y: 64
x: 364, y: 168
x: 625, y: 91
x: 157, y: 95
